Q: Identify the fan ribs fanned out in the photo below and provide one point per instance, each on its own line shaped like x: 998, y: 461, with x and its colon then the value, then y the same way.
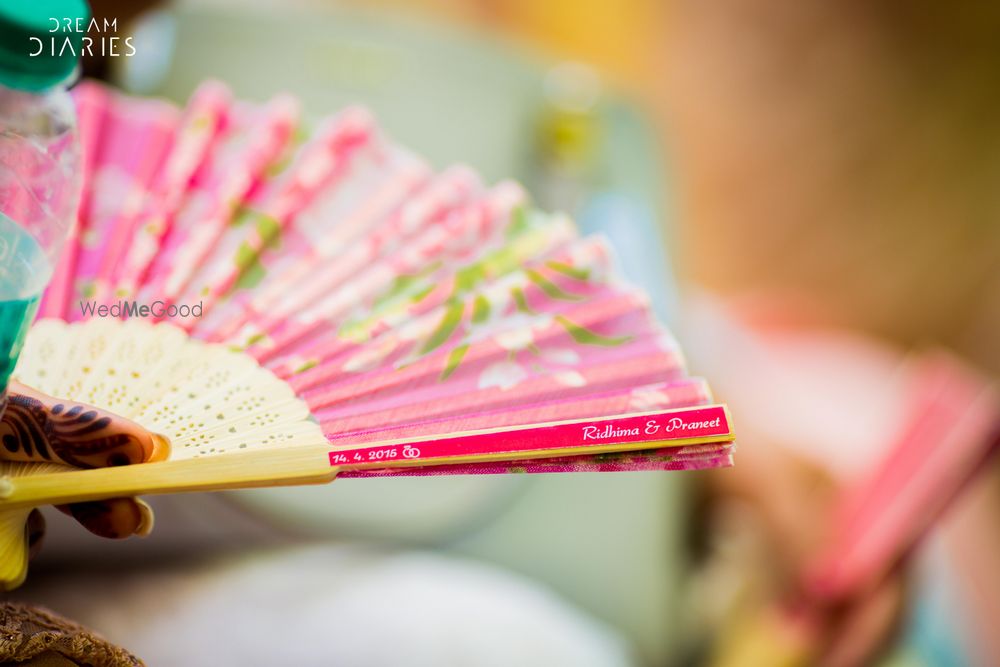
x: 371, y: 296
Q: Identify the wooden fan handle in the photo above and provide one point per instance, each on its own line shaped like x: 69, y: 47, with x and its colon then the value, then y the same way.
x: 315, y: 460
x: 37, y: 427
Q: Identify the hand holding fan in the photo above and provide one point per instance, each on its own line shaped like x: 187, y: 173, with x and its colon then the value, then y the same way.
x: 286, y: 310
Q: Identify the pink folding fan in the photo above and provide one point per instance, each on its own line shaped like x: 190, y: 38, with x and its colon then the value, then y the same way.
x: 284, y: 307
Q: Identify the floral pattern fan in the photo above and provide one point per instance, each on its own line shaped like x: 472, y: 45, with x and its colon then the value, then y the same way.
x: 287, y: 306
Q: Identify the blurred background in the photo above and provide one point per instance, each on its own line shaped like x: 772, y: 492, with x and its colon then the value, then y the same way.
x: 809, y: 191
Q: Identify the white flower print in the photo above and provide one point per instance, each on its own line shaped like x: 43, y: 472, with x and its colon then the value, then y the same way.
x: 503, y: 374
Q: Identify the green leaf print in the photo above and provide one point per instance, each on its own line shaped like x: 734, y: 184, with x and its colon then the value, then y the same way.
x: 356, y: 331
x: 399, y: 285
x: 480, y: 309
x: 521, y: 301
x: 269, y: 229
x: 256, y: 338
x: 585, y: 336
x: 519, y: 222
x: 467, y: 277
x: 404, y: 291
x: 306, y: 365
x: 251, y: 271
x: 499, y: 262
x: 404, y: 285
x: 245, y: 256
x: 452, y: 318
x: 568, y: 270
x: 284, y: 161
x: 241, y: 215
x: 421, y: 294
x: 454, y: 359
x: 550, y: 289
x: 251, y: 276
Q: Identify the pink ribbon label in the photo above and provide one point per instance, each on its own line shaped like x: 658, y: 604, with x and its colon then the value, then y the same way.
x: 645, y: 430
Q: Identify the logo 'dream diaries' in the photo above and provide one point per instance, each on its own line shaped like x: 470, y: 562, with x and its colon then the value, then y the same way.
x: 100, y: 39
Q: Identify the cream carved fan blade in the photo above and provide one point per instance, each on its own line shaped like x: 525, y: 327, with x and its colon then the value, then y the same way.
x: 204, y: 398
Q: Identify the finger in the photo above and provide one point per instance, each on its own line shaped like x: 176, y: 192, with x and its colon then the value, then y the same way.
x: 34, y: 531
x: 36, y: 427
x: 115, y: 519
x: 865, y: 628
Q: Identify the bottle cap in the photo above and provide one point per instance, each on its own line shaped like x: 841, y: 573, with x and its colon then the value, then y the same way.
x: 40, y: 41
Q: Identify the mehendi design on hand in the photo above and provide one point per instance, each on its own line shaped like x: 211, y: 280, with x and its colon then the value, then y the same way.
x: 35, y: 427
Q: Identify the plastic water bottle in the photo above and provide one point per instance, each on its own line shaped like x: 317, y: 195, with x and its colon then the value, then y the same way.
x: 39, y: 156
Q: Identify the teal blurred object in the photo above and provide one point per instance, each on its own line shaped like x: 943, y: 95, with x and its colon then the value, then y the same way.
x: 33, y: 57
x: 610, y: 543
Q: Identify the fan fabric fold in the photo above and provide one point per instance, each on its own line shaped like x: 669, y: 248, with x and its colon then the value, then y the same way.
x: 390, y: 299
